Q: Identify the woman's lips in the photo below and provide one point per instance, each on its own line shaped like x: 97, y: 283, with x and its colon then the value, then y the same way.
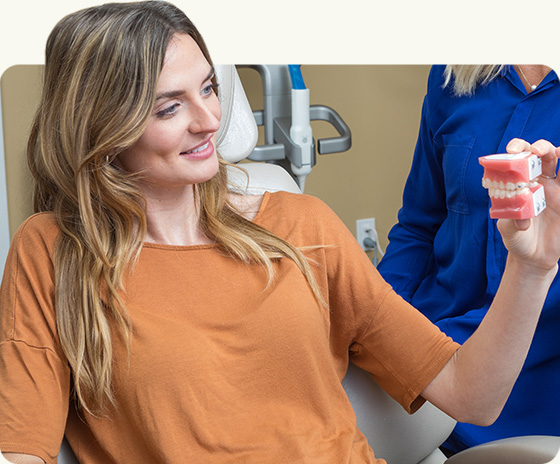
x: 199, y: 153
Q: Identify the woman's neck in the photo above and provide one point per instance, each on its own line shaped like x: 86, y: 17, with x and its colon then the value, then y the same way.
x: 531, y: 74
x: 173, y: 218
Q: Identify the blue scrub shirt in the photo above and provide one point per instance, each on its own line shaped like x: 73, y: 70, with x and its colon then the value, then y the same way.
x: 446, y: 255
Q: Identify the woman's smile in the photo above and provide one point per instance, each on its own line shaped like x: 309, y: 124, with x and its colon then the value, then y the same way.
x: 202, y: 152
x: 177, y: 149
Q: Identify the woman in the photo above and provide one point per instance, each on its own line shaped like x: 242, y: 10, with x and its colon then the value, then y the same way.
x: 446, y: 256
x: 166, y: 320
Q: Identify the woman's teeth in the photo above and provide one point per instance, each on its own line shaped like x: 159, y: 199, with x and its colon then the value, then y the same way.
x: 196, y: 150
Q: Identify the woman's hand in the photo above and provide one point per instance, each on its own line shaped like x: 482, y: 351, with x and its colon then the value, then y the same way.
x: 476, y: 382
x: 536, y: 241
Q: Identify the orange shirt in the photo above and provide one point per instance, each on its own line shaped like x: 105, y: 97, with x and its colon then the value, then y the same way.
x: 222, y: 369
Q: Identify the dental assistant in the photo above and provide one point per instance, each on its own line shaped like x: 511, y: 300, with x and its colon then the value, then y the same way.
x: 445, y: 254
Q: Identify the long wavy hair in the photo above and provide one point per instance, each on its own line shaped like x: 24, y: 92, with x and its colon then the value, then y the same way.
x: 101, y: 72
x: 467, y: 77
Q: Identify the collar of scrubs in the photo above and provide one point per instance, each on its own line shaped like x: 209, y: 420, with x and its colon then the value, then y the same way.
x: 511, y: 74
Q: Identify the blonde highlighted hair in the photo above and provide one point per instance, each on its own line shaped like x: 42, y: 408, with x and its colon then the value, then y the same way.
x: 101, y: 71
x: 467, y: 77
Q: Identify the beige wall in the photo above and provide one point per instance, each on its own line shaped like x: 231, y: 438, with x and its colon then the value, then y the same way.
x: 20, y: 86
x: 381, y: 105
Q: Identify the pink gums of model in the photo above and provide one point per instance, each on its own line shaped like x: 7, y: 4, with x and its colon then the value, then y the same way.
x: 511, y: 184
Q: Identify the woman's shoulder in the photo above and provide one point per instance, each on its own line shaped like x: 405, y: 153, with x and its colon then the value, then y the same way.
x: 293, y: 204
x: 40, y: 222
x: 297, y: 215
x: 38, y: 228
x: 438, y: 92
x: 436, y: 76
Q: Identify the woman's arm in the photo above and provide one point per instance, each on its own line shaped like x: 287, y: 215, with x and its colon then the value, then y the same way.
x: 17, y: 458
x: 475, y: 384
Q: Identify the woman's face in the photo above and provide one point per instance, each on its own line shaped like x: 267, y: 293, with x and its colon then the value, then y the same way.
x: 177, y: 149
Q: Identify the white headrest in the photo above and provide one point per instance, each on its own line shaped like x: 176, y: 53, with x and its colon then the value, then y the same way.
x: 238, y: 136
x: 238, y: 133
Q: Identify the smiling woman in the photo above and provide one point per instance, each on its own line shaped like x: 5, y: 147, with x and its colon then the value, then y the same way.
x: 177, y: 148
x: 122, y: 152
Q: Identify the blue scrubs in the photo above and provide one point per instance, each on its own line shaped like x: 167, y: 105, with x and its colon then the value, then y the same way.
x: 446, y: 255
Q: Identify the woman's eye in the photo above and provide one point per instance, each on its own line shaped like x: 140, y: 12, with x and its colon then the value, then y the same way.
x: 210, y: 89
x: 168, y: 111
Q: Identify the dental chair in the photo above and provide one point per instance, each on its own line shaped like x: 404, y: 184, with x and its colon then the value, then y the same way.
x: 395, y: 436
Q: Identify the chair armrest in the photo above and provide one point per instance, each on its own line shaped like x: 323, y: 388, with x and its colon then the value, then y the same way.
x: 535, y: 449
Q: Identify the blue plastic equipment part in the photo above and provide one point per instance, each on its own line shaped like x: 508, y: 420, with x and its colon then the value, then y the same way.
x: 295, y: 75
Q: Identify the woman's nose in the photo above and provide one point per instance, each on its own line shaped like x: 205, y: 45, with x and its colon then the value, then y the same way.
x: 206, y: 117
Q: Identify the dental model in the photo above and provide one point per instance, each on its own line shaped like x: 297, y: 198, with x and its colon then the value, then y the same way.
x: 511, y: 184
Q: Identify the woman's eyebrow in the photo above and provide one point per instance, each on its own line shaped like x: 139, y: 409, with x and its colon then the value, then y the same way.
x: 176, y: 93
x: 170, y: 94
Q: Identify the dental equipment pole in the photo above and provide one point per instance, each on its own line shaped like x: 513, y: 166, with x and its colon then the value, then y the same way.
x: 288, y: 138
x: 300, y: 130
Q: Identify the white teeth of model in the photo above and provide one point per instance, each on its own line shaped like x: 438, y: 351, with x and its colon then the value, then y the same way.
x: 499, y: 189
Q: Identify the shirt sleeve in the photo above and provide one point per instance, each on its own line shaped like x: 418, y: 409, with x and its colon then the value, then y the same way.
x: 410, y: 248
x: 381, y: 333
x: 34, y: 373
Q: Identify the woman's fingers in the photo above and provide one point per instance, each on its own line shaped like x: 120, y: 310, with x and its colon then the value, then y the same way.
x: 522, y: 224
x: 517, y: 146
x: 548, y: 153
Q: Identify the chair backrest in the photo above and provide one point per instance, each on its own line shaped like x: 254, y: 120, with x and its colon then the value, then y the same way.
x: 395, y: 435
x: 66, y: 455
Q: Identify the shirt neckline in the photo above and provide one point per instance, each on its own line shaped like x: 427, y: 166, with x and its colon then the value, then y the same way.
x: 512, y: 75
x: 163, y: 246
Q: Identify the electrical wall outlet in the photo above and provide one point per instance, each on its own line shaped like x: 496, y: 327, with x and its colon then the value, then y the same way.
x: 366, y: 234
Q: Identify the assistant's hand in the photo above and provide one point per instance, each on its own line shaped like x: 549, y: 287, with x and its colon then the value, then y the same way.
x: 536, y: 241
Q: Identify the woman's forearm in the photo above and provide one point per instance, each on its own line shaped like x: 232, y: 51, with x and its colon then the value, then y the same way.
x: 475, y: 384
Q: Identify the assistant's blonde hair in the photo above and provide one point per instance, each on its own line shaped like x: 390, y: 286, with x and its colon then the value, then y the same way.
x: 467, y: 77
x: 101, y: 72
